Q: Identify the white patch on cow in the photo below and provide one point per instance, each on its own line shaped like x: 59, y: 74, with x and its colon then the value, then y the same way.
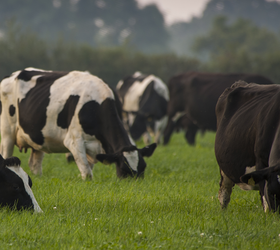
x: 137, y: 74
x: 265, y: 204
x: 119, y: 85
x: 131, y: 140
x: 177, y: 116
x: 249, y: 170
x: 134, y: 93
x: 278, y: 178
x: 36, y: 69
x: 131, y: 117
x: 20, y: 172
x: 132, y: 159
x: 161, y: 88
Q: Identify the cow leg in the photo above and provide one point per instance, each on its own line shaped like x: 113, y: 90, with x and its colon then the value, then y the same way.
x: 7, y: 146
x: 147, y: 138
x: 263, y: 199
x: 159, y: 128
x: 226, y: 186
x: 69, y: 157
x: 35, y: 162
x: 77, y: 148
x: 168, y: 131
x: 191, y: 133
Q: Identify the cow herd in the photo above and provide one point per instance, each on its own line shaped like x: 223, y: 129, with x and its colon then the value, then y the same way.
x: 76, y: 112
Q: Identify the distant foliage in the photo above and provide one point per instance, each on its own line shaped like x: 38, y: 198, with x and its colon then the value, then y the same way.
x: 240, y: 47
x: 96, y: 22
x: 262, y: 13
x: 20, y: 49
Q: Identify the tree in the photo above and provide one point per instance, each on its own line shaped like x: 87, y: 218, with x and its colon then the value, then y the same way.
x: 262, y: 13
x: 96, y: 22
x: 232, y: 39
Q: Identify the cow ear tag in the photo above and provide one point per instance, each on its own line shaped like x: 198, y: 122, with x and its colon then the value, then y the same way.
x: 251, y: 181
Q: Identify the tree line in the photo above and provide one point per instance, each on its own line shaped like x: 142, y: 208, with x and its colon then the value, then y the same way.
x: 228, y: 47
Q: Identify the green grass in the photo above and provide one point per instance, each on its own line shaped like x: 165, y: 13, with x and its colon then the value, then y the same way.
x: 174, y: 207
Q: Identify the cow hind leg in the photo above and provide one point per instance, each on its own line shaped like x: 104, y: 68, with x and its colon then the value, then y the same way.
x: 35, y: 162
x: 226, y: 186
x: 77, y: 148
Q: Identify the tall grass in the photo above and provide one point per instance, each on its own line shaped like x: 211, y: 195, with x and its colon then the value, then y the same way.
x: 174, y: 207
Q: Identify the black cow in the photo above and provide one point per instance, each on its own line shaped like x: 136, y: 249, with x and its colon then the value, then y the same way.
x: 58, y: 112
x: 194, y: 95
x: 248, y: 141
x: 144, y: 99
x: 15, y: 186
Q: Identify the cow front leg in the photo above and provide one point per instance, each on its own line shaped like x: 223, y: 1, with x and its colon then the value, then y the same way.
x: 159, y: 128
x: 35, y: 161
x: 147, y: 138
x: 226, y: 186
x: 7, y: 147
x: 77, y: 148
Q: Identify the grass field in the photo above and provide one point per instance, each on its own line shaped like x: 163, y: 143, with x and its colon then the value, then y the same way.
x: 174, y: 207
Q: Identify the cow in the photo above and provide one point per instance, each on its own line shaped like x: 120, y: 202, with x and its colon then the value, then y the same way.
x: 144, y: 102
x: 60, y: 112
x: 248, y: 140
x: 15, y: 186
x: 193, y: 95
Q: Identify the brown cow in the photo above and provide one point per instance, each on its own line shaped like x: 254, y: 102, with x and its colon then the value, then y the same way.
x: 194, y: 95
x: 248, y: 141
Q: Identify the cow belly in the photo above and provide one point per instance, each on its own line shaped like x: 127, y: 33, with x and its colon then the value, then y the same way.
x: 53, y: 143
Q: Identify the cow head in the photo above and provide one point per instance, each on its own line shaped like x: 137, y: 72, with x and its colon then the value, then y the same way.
x: 271, y: 176
x: 15, y: 186
x: 129, y: 161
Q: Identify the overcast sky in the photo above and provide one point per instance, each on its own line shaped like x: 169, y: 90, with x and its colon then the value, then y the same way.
x: 178, y: 10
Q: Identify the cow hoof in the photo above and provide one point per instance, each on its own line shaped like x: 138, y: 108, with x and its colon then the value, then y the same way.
x: 87, y: 177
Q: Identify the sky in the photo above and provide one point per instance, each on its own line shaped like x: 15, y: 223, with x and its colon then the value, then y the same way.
x: 178, y: 10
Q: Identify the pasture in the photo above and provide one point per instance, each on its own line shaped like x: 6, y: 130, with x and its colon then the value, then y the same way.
x: 174, y: 207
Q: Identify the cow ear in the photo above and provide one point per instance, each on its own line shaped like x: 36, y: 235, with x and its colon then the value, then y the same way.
x: 148, y: 150
x: 255, y: 177
x: 107, y: 159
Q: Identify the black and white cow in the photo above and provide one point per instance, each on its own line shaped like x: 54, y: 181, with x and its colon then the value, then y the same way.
x: 248, y: 141
x: 144, y: 99
x: 58, y: 112
x: 15, y: 186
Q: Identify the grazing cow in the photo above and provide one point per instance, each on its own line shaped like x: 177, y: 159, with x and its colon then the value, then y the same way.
x: 195, y: 95
x: 58, y: 112
x: 15, y: 186
x: 248, y: 141
x: 144, y: 99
